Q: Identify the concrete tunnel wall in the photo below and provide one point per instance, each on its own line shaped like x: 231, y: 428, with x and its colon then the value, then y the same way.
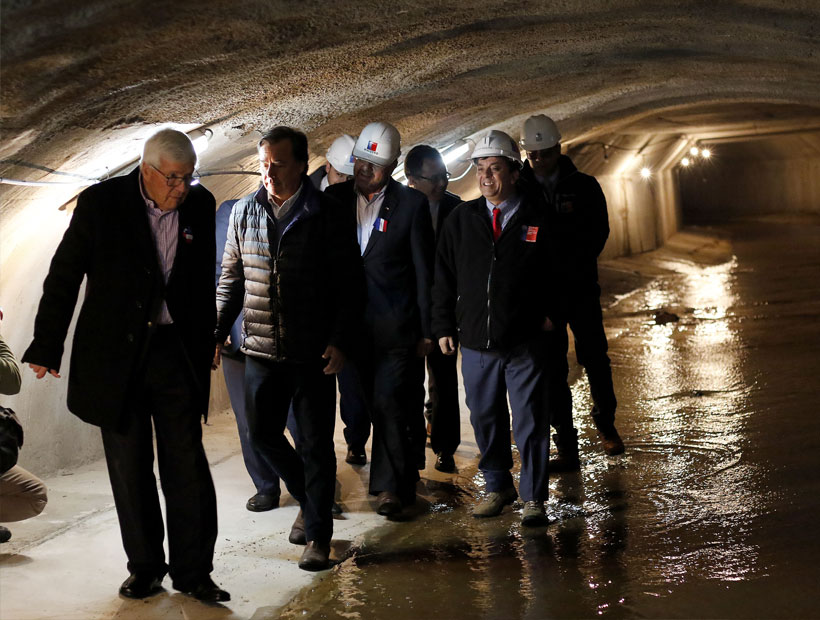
x: 83, y: 83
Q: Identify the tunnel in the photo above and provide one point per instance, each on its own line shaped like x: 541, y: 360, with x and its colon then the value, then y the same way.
x: 688, y: 114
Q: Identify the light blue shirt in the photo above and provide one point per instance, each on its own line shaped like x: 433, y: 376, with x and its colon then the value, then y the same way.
x: 508, y: 209
x: 366, y: 213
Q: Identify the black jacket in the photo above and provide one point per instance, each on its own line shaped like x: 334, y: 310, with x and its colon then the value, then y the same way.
x: 109, y: 242
x: 495, y: 296
x: 297, y: 298
x: 445, y: 207
x: 398, y: 266
x: 579, y: 215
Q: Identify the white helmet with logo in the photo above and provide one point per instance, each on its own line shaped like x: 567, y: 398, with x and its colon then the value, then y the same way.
x: 497, y: 144
x: 379, y: 143
x: 539, y: 132
x: 340, y: 154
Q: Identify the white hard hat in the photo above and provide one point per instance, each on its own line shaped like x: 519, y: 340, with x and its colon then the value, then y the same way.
x: 497, y: 144
x: 340, y: 154
x: 539, y: 132
x: 379, y: 143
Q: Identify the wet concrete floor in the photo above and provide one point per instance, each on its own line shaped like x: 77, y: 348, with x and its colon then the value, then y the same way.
x: 713, y: 510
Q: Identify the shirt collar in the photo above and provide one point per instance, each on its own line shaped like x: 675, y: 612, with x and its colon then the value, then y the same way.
x: 507, y: 205
x: 286, y: 206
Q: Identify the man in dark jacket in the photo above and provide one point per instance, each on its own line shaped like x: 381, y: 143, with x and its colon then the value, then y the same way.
x: 578, y: 209
x: 291, y: 266
x: 491, y: 266
x: 142, y: 353
x: 426, y: 172
x: 396, y: 244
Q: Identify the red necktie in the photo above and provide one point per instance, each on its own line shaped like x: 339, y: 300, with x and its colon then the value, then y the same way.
x: 496, y: 223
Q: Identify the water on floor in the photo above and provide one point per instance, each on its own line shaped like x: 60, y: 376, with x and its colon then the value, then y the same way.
x: 713, y: 510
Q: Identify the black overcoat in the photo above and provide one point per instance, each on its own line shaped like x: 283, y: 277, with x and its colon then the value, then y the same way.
x: 109, y: 242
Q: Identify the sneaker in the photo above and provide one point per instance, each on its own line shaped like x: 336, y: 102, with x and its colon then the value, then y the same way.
x: 533, y: 514
x: 611, y: 442
x: 494, y: 503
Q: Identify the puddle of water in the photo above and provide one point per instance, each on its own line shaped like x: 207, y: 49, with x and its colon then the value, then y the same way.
x: 711, y: 512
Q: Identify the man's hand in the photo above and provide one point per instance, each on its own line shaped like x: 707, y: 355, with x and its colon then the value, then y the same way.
x: 41, y: 371
x: 217, y: 357
x: 548, y: 325
x: 336, y: 360
x: 447, y: 345
x: 424, y: 347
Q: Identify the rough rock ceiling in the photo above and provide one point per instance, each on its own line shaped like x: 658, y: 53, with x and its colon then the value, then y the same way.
x: 71, y: 70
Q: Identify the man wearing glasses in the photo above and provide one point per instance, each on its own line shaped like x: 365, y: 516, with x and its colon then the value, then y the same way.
x: 426, y: 172
x: 396, y: 242
x: 577, y: 209
x: 141, y: 354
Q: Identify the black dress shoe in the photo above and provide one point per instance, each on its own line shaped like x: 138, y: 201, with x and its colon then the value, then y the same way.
x: 316, y: 556
x: 389, y: 504
x: 262, y: 502
x: 208, y: 592
x: 5, y: 534
x: 297, y: 530
x: 445, y: 463
x: 140, y: 585
x: 356, y: 456
x: 335, y: 509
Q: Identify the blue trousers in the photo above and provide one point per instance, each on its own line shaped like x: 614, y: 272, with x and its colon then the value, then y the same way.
x: 353, y: 407
x: 263, y: 475
x: 489, y: 376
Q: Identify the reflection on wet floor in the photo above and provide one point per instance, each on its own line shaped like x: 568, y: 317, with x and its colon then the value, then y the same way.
x: 711, y: 512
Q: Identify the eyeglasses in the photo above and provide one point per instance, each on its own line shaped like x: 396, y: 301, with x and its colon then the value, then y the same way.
x: 436, y: 178
x: 174, y: 181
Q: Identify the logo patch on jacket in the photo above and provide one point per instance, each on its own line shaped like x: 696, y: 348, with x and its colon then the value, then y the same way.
x: 529, y: 233
x: 380, y: 224
x: 565, y: 203
x: 188, y: 234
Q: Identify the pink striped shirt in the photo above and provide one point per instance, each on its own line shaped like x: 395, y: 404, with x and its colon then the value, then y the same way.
x: 165, y: 231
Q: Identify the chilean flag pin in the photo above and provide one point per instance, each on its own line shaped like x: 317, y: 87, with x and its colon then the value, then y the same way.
x: 380, y: 224
x: 188, y: 235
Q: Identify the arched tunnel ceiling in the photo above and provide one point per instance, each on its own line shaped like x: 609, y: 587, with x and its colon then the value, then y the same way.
x: 73, y: 70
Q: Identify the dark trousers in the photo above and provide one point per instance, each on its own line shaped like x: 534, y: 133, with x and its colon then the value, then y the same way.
x: 445, y: 435
x: 393, y: 381
x: 263, y: 475
x: 164, y: 393
x: 353, y: 407
x: 586, y: 322
x: 269, y: 389
x: 489, y: 377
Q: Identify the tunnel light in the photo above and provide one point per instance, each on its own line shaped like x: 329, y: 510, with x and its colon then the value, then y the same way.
x: 646, y: 172
x: 685, y: 162
x: 706, y: 153
x: 694, y: 151
x: 200, y: 138
x: 454, y: 154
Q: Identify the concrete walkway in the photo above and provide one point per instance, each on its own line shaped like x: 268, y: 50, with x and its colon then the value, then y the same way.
x: 68, y: 562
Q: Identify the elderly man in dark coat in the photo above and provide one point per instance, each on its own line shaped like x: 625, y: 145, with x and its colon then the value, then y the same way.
x: 142, y: 352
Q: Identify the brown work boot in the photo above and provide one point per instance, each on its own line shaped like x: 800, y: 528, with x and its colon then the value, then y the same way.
x: 611, y: 441
x: 567, y: 458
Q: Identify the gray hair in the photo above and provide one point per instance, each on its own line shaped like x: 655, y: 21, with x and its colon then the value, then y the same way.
x: 168, y: 144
